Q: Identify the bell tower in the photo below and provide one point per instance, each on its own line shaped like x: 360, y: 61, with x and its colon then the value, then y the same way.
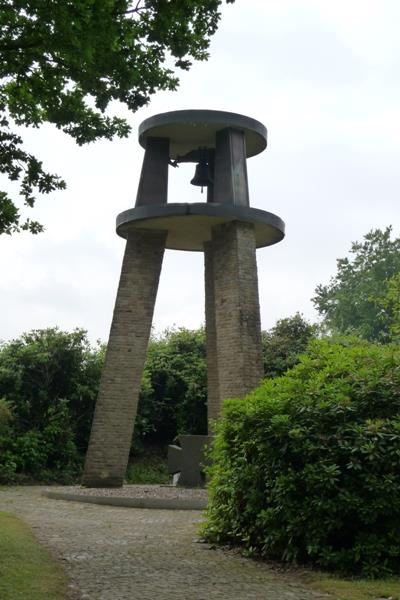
x: 226, y: 229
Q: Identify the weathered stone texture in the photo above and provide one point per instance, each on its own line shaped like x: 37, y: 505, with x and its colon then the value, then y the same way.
x: 237, y: 309
x: 114, y: 417
x: 189, y: 459
x: 213, y: 400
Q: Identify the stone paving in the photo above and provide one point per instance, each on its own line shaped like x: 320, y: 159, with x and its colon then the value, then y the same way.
x: 114, y: 553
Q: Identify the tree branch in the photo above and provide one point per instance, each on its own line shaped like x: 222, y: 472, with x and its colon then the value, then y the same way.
x: 137, y: 8
x: 18, y: 45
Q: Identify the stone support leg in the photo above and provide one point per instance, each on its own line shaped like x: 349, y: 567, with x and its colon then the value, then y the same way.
x: 115, y: 412
x: 213, y: 401
x: 237, y: 309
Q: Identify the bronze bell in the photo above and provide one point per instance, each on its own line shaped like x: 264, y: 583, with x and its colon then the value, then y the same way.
x: 202, y: 175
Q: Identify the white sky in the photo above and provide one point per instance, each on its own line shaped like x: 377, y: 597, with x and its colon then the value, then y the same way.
x: 323, y: 77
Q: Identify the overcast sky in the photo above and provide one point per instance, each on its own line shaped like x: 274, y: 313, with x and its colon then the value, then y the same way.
x: 323, y: 77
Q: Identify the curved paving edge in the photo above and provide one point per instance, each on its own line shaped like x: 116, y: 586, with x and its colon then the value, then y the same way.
x: 160, y: 503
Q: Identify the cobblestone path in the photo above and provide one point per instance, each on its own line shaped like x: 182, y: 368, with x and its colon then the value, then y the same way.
x: 141, y: 554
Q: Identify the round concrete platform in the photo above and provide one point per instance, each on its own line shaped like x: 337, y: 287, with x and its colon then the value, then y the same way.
x: 190, y: 225
x: 189, y: 130
x: 134, y: 496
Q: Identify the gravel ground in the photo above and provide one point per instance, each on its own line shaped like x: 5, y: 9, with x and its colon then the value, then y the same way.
x: 134, y: 491
x: 112, y: 553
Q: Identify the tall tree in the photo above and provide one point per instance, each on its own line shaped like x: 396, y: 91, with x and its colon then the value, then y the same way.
x: 64, y: 61
x: 391, y: 305
x: 283, y: 344
x: 363, y: 296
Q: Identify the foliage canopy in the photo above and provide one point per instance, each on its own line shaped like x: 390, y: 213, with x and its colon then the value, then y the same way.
x: 48, y: 385
x: 173, y: 395
x: 283, y: 344
x: 65, y: 62
x: 363, y: 298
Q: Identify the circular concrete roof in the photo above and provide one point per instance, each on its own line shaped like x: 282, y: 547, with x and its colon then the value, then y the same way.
x: 192, y: 129
x: 189, y: 225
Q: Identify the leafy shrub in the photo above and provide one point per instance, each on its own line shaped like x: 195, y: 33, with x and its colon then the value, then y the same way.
x: 49, y: 380
x: 5, y: 415
x: 8, y: 465
x: 46, y: 455
x: 306, y: 468
x: 44, y: 365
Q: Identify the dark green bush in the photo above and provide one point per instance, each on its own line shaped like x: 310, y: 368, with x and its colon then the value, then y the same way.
x: 48, y: 381
x: 47, y: 455
x: 306, y: 469
x: 8, y: 465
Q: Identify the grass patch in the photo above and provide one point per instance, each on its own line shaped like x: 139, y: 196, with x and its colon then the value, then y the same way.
x: 26, y: 569
x: 354, y: 589
x: 151, y: 468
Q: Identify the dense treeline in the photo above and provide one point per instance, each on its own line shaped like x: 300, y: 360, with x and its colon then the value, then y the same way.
x: 48, y: 386
x: 173, y: 395
x: 49, y: 381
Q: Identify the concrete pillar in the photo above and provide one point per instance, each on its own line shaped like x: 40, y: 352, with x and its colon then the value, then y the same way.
x: 114, y: 417
x: 237, y: 309
x: 153, y: 183
x: 230, y: 168
x: 213, y: 400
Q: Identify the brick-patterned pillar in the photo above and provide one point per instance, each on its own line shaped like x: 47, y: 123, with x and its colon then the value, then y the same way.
x: 213, y: 401
x: 237, y: 309
x: 114, y: 417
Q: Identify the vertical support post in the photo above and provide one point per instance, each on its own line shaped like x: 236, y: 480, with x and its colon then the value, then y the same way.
x: 237, y: 309
x: 230, y: 177
x: 116, y: 406
x: 213, y: 400
x: 153, y: 183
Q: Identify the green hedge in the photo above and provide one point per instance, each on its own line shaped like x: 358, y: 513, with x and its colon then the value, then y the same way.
x: 48, y: 385
x: 306, y: 469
